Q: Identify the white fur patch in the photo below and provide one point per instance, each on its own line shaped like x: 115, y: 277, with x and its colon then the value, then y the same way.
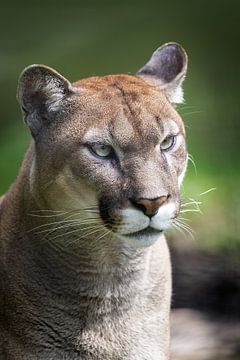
x: 176, y: 94
x: 139, y: 241
x: 163, y: 219
x: 181, y: 176
x: 133, y: 220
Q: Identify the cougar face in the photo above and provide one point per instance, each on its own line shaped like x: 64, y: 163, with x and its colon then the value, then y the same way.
x: 113, y: 145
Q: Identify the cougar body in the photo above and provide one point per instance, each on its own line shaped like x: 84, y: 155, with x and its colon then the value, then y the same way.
x: 84, y: 265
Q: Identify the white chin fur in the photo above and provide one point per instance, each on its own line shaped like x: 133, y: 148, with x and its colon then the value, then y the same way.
x: 138, y: 241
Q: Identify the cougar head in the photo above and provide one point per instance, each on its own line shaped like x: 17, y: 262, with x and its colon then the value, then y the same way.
x: 113, y: 144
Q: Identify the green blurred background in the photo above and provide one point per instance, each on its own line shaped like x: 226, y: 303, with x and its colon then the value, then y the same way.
x: 82, y: 38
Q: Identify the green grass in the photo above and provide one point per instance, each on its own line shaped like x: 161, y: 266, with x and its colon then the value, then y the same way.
x: 13, y: 144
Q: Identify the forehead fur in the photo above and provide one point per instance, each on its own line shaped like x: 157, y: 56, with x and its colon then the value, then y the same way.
x: 127, y: 109
x: 125, y: 103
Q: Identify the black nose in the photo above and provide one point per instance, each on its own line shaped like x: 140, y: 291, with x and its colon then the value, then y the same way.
x: 150, y: 206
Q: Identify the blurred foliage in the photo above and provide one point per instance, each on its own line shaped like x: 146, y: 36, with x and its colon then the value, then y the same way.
x: 82, y: 38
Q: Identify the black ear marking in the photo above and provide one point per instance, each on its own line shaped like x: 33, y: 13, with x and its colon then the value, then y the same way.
x: 167, y: 67
x: 41, y: 92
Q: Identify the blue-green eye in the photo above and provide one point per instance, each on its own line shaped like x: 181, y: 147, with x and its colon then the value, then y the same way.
x: 168, y: 143
x: 101, y: 150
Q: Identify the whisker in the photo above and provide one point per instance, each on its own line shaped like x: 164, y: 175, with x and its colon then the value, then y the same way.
x: 47, y: 210
x: 51, y: 231
x: 192, y: 113
x: 79, y: 221
x: 178, y: 228
x: 190, y: 210
x: 191, y: 159
x: 67, y: 224
x: 91, y: 232
x: 103, y: 235
x: 179, y: 221
x: 61, y: 212
x: 191, y: 203
x: 186, y: 227
x: 184, y: 231
x: 75, y: 231
x: 185, y: 106
x: 207, y: 191
x: 184, y: 219
x: 46, y: 216
x: 100, y: 228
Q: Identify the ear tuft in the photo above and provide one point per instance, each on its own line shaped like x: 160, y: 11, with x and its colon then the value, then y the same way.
x: 167, y: 69
x: 41, y: 91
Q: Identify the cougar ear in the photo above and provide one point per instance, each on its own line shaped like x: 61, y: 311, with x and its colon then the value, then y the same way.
x: 41, y: 93
x: 167, y: 69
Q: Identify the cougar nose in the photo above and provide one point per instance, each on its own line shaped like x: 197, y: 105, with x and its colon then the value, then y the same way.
x: 150, y: 206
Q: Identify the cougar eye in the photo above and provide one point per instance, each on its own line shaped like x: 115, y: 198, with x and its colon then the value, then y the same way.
x: 168, y: 143
x: 101, y: 150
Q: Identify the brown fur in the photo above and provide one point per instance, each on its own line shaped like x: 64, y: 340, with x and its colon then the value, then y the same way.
x: 69, y: 290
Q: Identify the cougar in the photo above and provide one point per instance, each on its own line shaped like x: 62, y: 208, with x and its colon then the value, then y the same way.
x: 84, y: 266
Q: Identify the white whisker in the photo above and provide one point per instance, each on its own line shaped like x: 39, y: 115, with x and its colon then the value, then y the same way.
x: 100, y: 228
x: 66, y: 225
x: 65, y: 221
x: 86, y: 234
x: 207, y: 191
x: 74, y: 231
x: 178, y: 228
x: 184, y: 219
x: 192, y: 112
x: 191, y: 203
x: 190, y: 210
x: 191, y: 159
x: 61, y: 212
x: 103, y: 235
x: 186, y: 228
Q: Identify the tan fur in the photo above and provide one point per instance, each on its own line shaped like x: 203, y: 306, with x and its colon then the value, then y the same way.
x: 77, y: 279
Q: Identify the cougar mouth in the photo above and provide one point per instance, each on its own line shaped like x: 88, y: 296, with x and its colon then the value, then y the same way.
x: 147, y: 232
